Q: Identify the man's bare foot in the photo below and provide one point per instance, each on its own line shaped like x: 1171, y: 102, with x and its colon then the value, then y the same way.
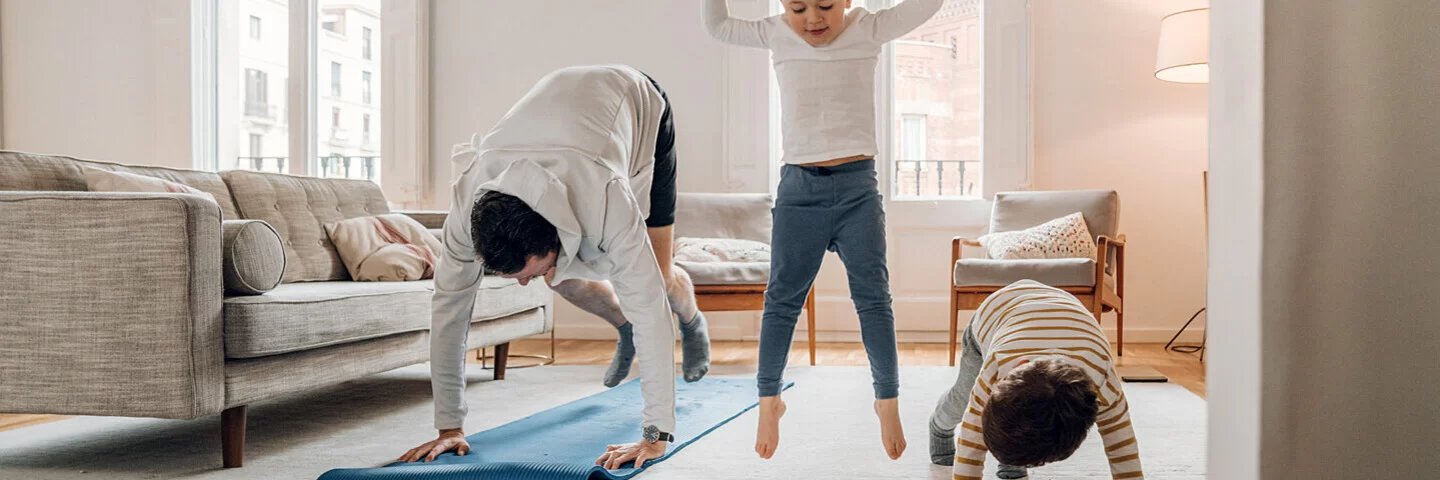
x: 892, y: 435
x: 767, y: 435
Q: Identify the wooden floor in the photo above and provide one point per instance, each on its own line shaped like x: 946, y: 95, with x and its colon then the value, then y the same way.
x: 1183, y: 369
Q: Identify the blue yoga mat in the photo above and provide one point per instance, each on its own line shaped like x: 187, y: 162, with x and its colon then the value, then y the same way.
x: 562, y: 443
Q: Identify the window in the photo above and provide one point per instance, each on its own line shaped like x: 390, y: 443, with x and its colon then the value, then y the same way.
x: 365, y: 42
x: 912, y: 138
x: 365, y: 129
x: 935, y: 107
x: 335, y: 79
x: 234, y: 63
x: 256, y: 145
x: 256, y: 89
x: 365, y: 87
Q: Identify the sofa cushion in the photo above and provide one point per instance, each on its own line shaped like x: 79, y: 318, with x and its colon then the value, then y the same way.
x: 99, y: 180
x: 385, y: 248
x: 744, y: 216
x: 303, y: 316
x: 1055, y: 272
x: 253, y: 258
x: 298, y: 208
x: 35, y: 172
x: 727, y: 273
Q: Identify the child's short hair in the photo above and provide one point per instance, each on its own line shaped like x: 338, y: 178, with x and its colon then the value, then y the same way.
x: 1040, y: 413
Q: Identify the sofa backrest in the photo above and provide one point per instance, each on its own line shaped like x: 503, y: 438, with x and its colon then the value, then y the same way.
x: 299, y: 208
x: 22, y: 171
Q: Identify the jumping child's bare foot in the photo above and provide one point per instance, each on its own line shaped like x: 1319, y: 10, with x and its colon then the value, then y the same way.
x: 892, y: 435
x: 767, y: 435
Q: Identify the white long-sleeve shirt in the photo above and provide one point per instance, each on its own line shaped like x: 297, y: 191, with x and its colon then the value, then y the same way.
x: 579, y: 148
x: 827, y: 94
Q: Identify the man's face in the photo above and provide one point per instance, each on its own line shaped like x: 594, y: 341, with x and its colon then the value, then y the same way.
x: 816, y: 21
x: 535, y: 267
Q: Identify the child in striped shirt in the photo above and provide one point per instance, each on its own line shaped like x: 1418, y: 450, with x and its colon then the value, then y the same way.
x: 1036, y: 372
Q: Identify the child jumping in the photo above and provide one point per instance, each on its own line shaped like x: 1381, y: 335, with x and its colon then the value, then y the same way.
x: 1035, y: 373
x: 829, y: 195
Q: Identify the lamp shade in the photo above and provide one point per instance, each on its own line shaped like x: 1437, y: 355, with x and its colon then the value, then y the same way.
x: 1184, y: 53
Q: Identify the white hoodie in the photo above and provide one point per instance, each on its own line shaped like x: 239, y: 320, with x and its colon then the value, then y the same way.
x: 578, y: 148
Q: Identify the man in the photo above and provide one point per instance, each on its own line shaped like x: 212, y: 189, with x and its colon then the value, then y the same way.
x: 576, y: 184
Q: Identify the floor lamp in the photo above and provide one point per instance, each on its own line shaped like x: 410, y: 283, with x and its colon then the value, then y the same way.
x: 1183, y: 56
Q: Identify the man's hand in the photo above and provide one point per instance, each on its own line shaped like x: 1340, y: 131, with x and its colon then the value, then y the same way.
x: 452, y: 439
x: 616, y: 455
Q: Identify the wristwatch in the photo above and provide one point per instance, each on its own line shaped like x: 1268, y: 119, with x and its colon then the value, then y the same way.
x: 653, y: 434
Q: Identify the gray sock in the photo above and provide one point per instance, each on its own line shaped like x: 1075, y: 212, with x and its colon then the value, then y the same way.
x: 695, y: 346
x: 942, y: 446
x: 1008, y: 472
x: 624, y: 356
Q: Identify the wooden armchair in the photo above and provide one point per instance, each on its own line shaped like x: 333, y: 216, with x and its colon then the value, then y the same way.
x: 723, y: 286
x: 1098, y: 282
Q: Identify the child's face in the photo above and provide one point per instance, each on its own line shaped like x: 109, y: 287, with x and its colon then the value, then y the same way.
x: 816, y: 21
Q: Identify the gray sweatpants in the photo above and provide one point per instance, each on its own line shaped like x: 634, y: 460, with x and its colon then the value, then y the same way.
x: 951, y: 408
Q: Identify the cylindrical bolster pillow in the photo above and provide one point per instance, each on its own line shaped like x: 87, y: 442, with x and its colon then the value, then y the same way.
x: 254, y: 260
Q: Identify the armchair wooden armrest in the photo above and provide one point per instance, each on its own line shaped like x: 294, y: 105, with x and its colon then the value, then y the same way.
x: 955, y: 246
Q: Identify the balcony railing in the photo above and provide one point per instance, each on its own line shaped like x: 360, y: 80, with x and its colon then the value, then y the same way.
x: 936, y: 178
x: 357, y: 168
x: 333, y: 166
x: 262, y: 164
x: 263, y: 111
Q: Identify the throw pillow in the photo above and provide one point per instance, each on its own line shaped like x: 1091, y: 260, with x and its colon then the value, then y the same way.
x: 385, y: 248
x: 97, y: 180
x: 720, y: 250
x: 1064, y: 237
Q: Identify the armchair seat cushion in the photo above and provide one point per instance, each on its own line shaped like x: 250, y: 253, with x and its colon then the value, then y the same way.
x: 1055, y: 272
x: 727, y: 273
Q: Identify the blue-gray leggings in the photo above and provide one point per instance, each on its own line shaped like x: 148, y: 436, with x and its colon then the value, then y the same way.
x: 837, y: 209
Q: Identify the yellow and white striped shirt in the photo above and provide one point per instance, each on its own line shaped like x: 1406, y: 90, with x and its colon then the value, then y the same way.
x: 1031, y: 320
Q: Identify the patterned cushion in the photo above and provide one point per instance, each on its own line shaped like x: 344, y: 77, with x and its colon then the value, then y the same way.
x: 254, y: 259
x: 35, y: 172
x: 97, y: 180
x: 720, y: 250
x: 298, y: 208
x: 385, y: 248
x: 1064, y: 237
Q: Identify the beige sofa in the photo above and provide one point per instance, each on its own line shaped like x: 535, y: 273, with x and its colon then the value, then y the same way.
x: 175, y: 306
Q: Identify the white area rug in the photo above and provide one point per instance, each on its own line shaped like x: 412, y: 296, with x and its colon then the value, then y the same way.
x: 830, y: 431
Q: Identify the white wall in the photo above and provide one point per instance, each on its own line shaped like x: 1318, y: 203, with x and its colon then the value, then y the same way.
x: 104, y: 79
x: 1103, y: 121
x: 1237, y: 134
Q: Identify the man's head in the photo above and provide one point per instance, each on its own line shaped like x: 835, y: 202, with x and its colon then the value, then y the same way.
x: 1040, y: 412
x: 819, y: 22
x: 512, y: 238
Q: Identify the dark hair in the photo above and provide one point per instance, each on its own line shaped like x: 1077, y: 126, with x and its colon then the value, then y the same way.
x: 1039, y: 414
x: 507, y: 232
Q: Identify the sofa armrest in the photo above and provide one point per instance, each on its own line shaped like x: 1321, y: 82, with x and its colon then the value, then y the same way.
x: 429, y: 218
x: 110, y: 304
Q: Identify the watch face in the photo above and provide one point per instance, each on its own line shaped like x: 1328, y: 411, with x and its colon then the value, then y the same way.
x: 652, y: 434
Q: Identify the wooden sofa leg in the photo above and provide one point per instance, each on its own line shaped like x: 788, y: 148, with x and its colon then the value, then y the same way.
x: 501, y: 352
x: 232, y: 436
